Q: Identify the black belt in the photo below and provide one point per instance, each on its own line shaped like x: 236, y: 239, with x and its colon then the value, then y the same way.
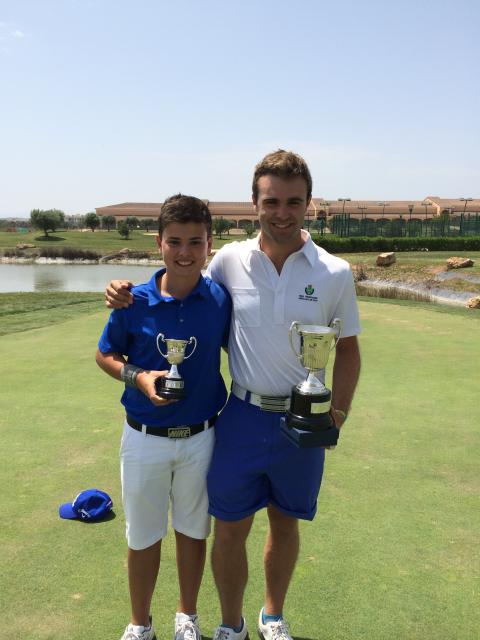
x: 182, y: 431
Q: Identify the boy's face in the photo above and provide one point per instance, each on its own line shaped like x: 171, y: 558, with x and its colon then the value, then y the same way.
x: 185, y: 248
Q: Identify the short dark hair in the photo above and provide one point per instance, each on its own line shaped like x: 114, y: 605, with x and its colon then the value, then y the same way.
x: 183, y: 209
x: 284, y: 164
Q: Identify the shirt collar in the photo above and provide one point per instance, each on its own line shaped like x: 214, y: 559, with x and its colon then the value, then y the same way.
x: 309, y: 249
x: 155, y: 297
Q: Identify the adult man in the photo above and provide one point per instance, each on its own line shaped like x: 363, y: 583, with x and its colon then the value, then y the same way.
x: 253, y: 464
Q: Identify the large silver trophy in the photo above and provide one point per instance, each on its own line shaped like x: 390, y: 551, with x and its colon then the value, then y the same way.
x: 172, y: 386
x: 308, y: 422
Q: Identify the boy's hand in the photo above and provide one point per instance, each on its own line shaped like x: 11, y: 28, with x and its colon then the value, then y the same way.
x: 146, y: 384
x: 118, y: 295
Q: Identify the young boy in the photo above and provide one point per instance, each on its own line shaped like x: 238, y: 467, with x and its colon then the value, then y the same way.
x: 161, y: 463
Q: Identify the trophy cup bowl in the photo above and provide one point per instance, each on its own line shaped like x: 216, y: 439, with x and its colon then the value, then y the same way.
x: 308, y: 422
x: 172, y: 386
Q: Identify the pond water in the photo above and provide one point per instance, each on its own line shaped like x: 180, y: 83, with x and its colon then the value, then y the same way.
x: 68, y: 277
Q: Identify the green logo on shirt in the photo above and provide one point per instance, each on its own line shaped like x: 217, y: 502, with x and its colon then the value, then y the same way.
x: 309, y: 290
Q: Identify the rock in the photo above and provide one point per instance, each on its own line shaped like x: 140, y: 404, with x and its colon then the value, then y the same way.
x: 24, y: 245
x: 459, y: 263
x: 125, y: 251
x: 386, y: 259
x: 474, y: 303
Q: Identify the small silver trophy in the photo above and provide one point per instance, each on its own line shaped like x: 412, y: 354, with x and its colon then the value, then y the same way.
x: 172, y: 385
x: 308, y: 422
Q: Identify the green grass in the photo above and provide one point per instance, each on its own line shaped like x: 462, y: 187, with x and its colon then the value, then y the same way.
x: 393, y: 552
x: 102, y: 242
x: 24, y: 311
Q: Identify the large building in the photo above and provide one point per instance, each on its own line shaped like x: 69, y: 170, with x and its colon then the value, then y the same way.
x: 241, y: 213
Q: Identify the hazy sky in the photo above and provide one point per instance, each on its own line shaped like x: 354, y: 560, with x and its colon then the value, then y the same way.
x: 108, y: 101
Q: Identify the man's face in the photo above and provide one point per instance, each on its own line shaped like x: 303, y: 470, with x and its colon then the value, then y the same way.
x: 281, y: 206
x: 185, y: 248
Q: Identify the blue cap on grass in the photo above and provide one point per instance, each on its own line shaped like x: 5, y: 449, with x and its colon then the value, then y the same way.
x: 90, y: 505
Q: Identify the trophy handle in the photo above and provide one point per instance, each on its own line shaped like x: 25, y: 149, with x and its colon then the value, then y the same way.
x: 194, y: 340
x: 293, y: 327
x: 336, y: 325
x: 162, y: 338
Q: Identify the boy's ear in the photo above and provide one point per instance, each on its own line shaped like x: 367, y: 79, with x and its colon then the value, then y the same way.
x: 158, y: 239
x: 209, y: 245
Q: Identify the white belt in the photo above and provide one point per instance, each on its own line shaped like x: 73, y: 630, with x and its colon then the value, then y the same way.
x: 266, y: 403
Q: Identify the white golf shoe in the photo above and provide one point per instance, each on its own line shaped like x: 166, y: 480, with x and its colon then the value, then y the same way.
x: 186, y: 627
x: 135, y: 632
x: 273, y: 630
x: 226, y: 633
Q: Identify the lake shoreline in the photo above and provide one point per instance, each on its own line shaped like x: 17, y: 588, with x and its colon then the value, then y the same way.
x: 140, y: 262
x: 422, y: 287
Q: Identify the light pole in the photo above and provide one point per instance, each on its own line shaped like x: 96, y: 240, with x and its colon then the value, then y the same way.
x: 362, y: 208
x: 325, y: 205
x: 466, y: 201
x: 344, y: 200
x: 410, y: 211
x: 383, y: 204
x: 426, y: 204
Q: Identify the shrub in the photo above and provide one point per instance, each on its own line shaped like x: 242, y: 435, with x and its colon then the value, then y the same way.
x: 68, y: 253
x: 14, y: 253
x: 360, y: 244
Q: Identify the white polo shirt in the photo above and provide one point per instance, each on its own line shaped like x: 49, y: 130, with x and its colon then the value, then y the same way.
x: 314, y: 287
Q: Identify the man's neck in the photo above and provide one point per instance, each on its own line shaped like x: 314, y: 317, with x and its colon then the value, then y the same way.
x: 279, y: 253
x: 171, y: 287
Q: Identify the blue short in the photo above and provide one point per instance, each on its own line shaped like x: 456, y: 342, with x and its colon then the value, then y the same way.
x: 254, y: 465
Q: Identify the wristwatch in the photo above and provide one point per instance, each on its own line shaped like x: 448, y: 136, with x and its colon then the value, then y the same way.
x: 341, y: 413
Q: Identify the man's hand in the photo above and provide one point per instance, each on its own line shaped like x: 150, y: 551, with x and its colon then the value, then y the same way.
x: 145, y: 382
x: 118, y: 295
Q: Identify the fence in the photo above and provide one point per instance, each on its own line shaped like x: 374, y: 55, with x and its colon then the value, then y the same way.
x: 345, y: 225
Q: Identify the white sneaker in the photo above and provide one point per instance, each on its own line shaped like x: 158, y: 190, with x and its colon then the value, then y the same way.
x: 186, y: 627
x: 226, y: 633
x: 277, y: 630
x: 135, y: 632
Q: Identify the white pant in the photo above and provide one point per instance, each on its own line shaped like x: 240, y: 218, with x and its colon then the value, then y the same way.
x: 157, y: 470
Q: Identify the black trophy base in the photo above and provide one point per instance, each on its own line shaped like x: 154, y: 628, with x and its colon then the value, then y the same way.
x: 170, y: 388
x: 308, y: 422
x: 307, y: 439
x: 310, y: 411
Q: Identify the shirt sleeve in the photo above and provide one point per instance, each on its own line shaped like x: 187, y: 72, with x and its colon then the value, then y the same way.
x: 228, y: 315
x: 215, y: 268
x: 115, y: 336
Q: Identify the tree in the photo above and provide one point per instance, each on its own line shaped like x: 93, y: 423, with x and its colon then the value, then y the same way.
x: 92, y: 221
x: 220, y: 225
x: 249, y: 229
x: 146, y: 223
x: 123, y: 229
x: 47, y: 219
x: 132, y: 222
x: 109, y: 222
x: 318, y: 225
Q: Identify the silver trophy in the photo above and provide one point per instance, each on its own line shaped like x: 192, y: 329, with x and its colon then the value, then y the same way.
x: 308, y: 422
x: 172, y: 386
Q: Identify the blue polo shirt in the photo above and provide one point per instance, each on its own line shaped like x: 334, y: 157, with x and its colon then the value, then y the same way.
x: 204, y: 314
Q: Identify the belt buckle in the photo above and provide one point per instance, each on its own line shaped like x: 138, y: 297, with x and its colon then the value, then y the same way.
x: 177, y: 433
